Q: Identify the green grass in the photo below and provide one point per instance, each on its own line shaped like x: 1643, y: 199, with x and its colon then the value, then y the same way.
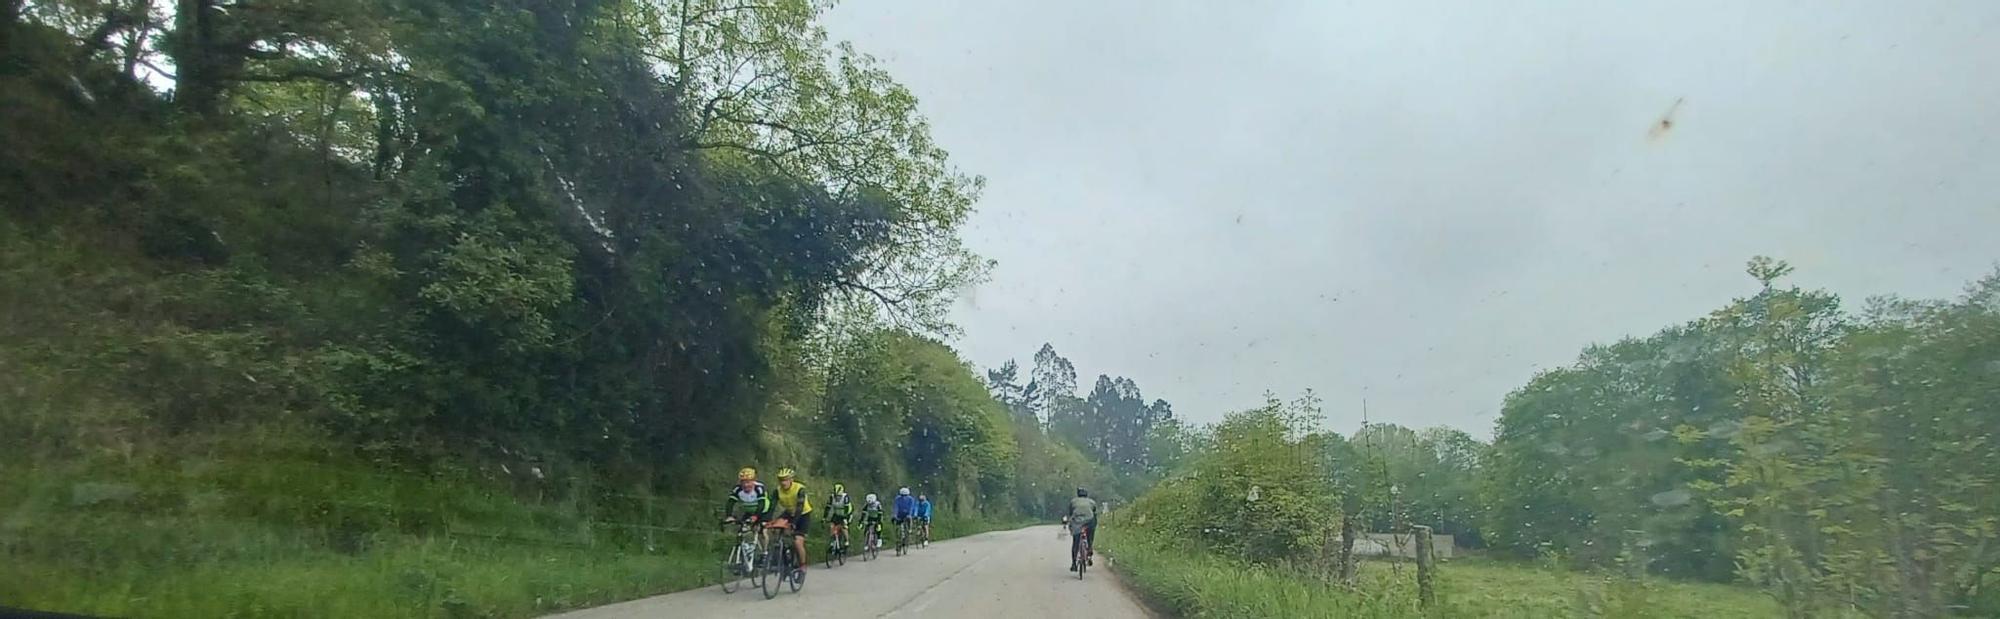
x: 415, y: 577
x: 1190, y: 583
x: 291, y: 539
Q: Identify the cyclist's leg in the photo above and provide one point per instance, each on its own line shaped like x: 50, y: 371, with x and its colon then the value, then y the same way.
x: 799, y: 525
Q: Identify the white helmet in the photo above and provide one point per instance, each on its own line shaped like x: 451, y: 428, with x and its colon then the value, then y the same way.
x: 905, y: 491
x: 872, y: 499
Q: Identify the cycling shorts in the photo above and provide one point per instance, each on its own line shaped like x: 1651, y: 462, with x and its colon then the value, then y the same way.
x: 800, y: 524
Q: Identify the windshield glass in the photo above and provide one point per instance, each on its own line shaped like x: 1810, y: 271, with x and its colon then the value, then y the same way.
x: 633, y: 308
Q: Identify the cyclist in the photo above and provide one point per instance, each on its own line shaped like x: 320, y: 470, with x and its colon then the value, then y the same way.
x: 906, y: 506
x: 839, y: 507
x: 748, y: 495
x: 792, y: 503
x: 1082, y: 521
x: 924, y: 517
x: 871, y: 517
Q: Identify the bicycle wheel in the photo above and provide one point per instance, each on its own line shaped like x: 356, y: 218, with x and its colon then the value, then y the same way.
x: 732, y: 569
x: 755, y: 568
x: 902, y: 539
x: 776, y: 568
x: 1082, y: 557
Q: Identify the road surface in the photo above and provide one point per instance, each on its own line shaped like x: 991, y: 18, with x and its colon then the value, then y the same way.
x: 1003, y: 574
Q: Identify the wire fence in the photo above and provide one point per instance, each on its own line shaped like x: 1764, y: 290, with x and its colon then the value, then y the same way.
x: 349, y: 508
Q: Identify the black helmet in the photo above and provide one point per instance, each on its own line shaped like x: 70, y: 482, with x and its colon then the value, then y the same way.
x: 1082, y: 492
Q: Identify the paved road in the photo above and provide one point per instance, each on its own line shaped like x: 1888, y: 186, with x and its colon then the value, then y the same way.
x: 1005, y: 574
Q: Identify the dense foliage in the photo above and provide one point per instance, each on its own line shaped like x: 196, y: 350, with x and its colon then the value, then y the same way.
x: 1269, y: 485
x: 1837, y: 460
x: 409, y: 230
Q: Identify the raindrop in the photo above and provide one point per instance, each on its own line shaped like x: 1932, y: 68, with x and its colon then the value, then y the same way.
x: 1672, y: 498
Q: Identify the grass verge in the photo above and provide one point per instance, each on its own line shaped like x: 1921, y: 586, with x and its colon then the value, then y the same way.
x: 410, y: 578
x: 1190, y: 583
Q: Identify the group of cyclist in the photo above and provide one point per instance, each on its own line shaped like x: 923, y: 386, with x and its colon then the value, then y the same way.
x: 791, y: 508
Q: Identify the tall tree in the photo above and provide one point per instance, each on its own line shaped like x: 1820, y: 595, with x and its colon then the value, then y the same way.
x: 1051, y: 387
x: 763, y: 84
x: 1004, y: 383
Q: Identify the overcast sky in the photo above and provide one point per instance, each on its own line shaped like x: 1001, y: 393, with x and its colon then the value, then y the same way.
x: 1426, y: 202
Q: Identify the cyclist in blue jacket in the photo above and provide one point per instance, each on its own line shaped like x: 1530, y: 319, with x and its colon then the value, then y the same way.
x: 906, y: 506
x: 924, y: 517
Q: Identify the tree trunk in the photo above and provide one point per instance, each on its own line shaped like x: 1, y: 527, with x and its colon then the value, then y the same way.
x: 387, y: 137
x: 197, y: 75
x: 8, y: 22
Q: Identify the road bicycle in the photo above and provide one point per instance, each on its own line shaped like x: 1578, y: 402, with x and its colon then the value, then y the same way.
x: 1081, y: 543
x: 903, y: 537
x: 836, y: 548
x: 781, y: 563
x: 871, y: 541
x: 743, y: 563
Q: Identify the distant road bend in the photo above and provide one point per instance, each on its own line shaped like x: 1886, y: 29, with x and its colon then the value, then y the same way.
x: 1003, y: 574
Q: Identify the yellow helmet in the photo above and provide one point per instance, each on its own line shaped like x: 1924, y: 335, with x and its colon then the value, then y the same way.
x: 747, y: 474
x: 785, y: 473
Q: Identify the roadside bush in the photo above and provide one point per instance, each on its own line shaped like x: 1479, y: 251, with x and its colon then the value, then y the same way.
x: 1258, y: 494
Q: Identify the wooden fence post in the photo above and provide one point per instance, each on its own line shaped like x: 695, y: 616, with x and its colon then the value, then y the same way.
x: 1347, y: 550
x: 1426, y: 570
x: 1633, y: 555
x: 648, y: 518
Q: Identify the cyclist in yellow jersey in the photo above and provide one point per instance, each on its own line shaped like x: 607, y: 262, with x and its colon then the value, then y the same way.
x: 795, y: 505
